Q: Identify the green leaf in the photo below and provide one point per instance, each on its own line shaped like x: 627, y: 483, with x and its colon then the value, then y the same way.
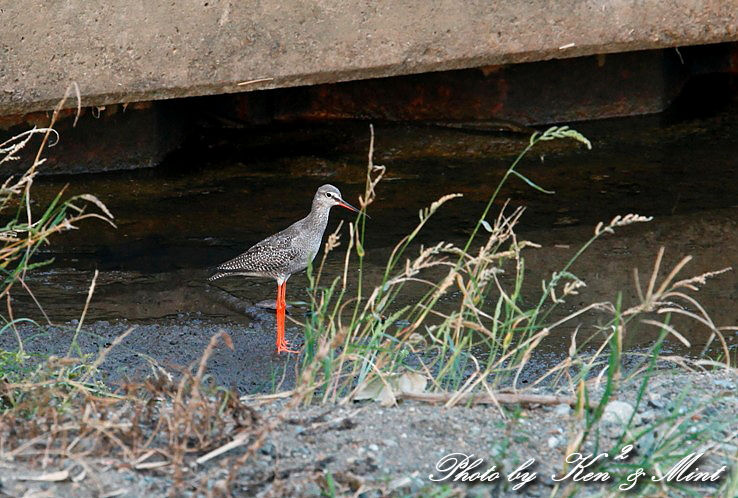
x: 531, y: 183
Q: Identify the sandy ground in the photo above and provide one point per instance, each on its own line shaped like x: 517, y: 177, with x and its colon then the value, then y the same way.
x: 376, y: 451
x: 251, y: 366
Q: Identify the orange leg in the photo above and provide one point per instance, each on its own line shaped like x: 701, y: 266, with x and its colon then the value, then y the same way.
x: 282, y: 344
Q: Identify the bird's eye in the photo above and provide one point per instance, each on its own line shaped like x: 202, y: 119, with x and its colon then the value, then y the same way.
x: 328, y: 194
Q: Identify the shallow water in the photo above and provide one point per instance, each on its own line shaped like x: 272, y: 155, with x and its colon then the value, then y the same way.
x: 230, y: 188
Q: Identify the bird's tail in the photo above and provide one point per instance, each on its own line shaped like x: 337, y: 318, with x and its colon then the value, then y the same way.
x: 218, y: 274
x: 223, y: 272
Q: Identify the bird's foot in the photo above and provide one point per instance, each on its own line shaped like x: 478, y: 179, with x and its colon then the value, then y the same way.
x: 284, y: 347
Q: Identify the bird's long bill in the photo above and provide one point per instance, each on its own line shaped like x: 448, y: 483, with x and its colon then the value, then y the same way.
x: 348, y: 206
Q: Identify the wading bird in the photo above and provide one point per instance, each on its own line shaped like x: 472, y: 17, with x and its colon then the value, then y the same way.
x: 287, y: 252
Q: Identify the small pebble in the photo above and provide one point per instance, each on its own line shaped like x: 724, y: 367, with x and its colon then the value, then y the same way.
x: 648, y: 415
x: 268, y: 449
x: 562, y: 410
x: 645, y: 443
x: 656, y: 400
x: 617, y: 412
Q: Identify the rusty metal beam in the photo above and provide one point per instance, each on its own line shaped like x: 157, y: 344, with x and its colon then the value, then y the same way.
x: 582, y: 88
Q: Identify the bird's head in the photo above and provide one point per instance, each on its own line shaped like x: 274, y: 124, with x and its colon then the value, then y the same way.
x: 330, y: 196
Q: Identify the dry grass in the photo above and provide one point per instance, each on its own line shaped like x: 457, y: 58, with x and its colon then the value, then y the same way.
x: 162, y: 423
x: 481, y: 341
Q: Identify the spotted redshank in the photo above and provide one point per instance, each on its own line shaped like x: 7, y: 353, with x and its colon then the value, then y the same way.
x: 287, y: 252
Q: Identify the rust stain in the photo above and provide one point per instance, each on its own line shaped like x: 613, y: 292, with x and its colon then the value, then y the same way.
x: 491, y: 69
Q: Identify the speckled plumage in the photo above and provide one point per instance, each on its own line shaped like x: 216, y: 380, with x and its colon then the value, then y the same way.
x: 289, y: 251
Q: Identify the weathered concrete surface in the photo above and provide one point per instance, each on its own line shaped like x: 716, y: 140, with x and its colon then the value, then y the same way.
x: 122, y: 51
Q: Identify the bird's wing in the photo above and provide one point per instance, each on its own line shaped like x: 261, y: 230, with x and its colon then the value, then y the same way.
x: 268, y: 256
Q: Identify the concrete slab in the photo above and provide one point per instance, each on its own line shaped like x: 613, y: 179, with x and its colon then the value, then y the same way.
x: 124, y: 51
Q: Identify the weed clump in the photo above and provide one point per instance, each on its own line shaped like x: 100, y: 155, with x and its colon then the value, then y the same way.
x: 472, y: 330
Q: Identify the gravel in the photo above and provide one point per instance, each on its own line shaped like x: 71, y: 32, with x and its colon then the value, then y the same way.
x: 379, y: 451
